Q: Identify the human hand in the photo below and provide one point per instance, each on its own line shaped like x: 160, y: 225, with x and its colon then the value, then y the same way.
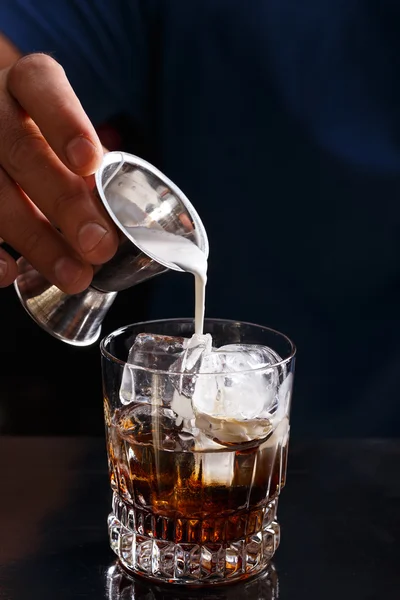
x: 47, y: 148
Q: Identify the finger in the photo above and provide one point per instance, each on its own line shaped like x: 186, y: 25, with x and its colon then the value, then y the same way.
x: 90, y: 180
x: 61, y: 196
x: 41, y: 88
x: 30, y: 282
x: 8, y: 269
x: 24, y: 266
x: 25, y: 228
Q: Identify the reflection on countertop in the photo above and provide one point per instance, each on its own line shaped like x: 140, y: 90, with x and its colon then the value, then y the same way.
x: 120, y: 586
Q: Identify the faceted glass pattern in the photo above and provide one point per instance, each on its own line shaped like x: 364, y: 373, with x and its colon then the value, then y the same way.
x: 184, y: 512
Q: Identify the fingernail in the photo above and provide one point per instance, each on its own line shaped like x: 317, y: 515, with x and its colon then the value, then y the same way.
x: 3, y: 269
x: 67, y: 270
x: 90, y: 235
x: 80, y: 152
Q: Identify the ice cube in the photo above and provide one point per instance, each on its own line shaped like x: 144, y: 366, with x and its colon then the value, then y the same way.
x: 246, y: 385
x: 182, y: 406
x: 229, y: 395
x: 234, y: 397
x: 154, y: 351
x: 188, y: 364
x: 218, y: 468
x: 284, y: 398
x: 241, y: 357
x: 190, y: 361
x: 145, y: 424
x: 239, y: 396
x: 150, y: 351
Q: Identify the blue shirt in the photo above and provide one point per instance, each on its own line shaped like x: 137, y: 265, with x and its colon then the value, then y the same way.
x: 280, y: 120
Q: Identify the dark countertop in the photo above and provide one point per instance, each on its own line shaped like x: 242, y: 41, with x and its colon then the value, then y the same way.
x: 340, y: 517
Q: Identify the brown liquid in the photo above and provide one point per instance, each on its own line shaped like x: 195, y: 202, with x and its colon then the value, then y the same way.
x: 180, y: 494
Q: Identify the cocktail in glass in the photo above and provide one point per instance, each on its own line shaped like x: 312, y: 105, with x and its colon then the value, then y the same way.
x: 197, y: 460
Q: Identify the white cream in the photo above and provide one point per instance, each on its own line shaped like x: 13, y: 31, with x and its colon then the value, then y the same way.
x: 181, y: 252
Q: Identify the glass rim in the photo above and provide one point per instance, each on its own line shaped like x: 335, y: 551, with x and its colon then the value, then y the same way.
x: 106, y: 354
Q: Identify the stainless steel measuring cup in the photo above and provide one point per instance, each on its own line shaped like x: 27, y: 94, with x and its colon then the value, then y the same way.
x: 135, y: 194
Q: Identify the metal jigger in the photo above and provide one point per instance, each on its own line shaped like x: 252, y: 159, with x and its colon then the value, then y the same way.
x: 135, y: 194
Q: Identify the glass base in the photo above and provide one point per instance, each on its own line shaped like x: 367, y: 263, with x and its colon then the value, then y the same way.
x: 121, y: 585
x: 142, y: 542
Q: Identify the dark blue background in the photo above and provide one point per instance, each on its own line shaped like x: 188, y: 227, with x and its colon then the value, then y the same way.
x: 280, y: 121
